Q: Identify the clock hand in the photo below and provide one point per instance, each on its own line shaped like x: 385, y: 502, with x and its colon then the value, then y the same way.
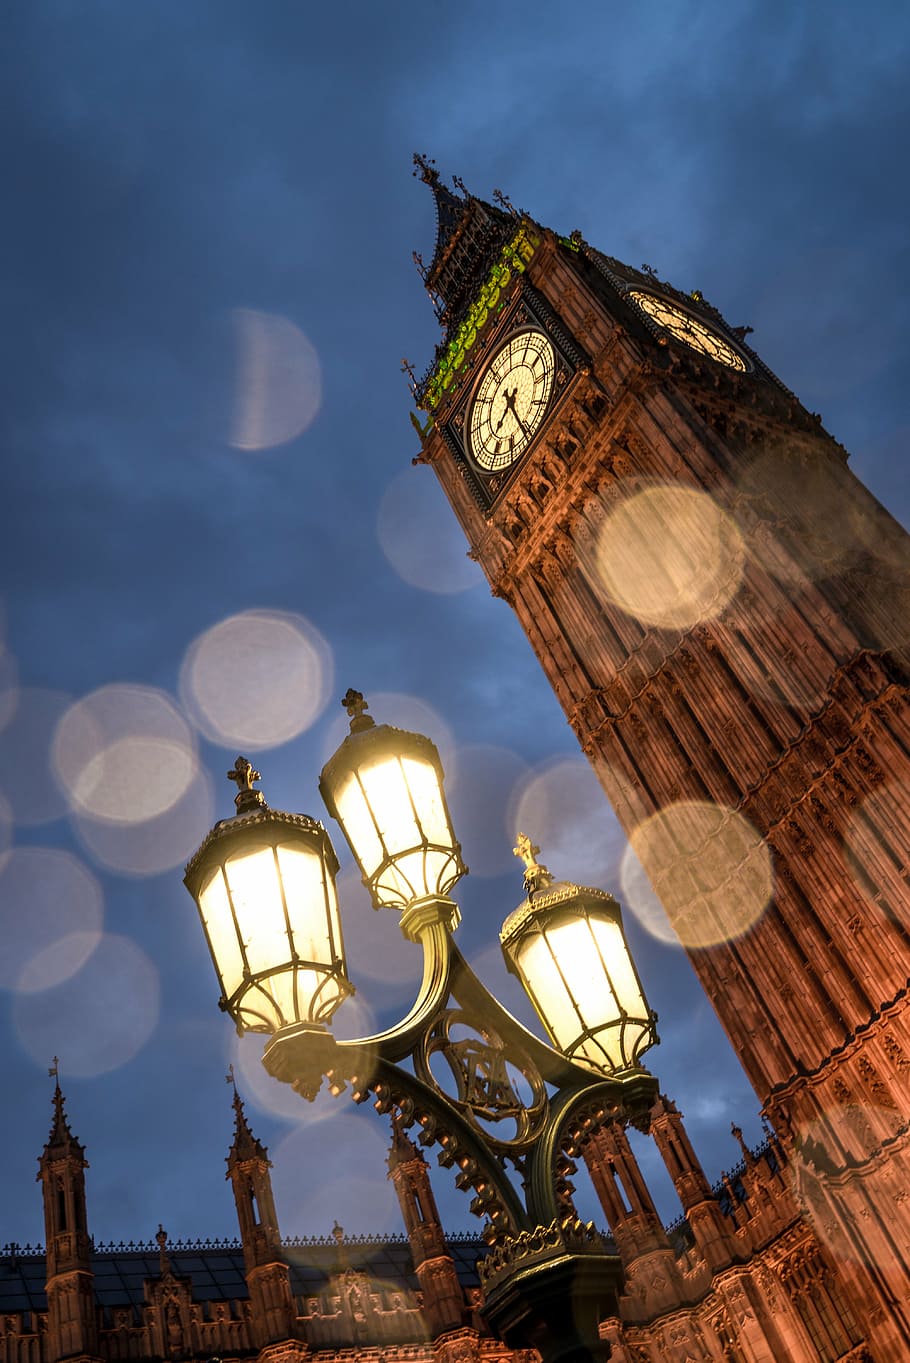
x: 510, y: 406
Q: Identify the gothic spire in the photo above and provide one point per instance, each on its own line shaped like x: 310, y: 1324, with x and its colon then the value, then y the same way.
x: 450, y: 208
x: 470, y: 235
x: 402, y: 1148
x: 245, y: 1146
x: 61, y: 1141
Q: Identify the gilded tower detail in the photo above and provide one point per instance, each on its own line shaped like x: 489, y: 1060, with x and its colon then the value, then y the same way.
x: 723, y: 611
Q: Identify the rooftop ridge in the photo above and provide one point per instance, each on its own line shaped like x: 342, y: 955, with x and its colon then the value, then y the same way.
x: 13, y: 1250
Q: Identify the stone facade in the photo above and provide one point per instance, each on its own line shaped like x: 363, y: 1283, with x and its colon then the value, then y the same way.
x: 744, y: 705
x: 739, y: 1278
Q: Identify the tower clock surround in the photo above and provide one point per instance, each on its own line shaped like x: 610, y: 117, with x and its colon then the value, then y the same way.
x: 511, y: 399
x: 786, y: 705
x: 683, y: 326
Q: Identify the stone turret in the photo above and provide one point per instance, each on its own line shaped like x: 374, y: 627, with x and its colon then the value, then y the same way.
x: 267, y: 1274
x: 72, y: 1323
x: 443, y: 1300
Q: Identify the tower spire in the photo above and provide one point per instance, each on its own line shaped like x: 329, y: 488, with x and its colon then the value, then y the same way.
x: 443, y: 1300
x: 60, y: 1141
x: 469, y: 236
x: 450, y: 207
x: 72, y: 1325
x: 245, y: 1146
x: 267, y: 1274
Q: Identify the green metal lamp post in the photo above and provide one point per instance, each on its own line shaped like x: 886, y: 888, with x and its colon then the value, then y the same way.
x: 264, y: 884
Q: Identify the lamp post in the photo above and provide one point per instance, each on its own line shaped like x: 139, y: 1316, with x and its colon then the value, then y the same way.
x: 263, y: 882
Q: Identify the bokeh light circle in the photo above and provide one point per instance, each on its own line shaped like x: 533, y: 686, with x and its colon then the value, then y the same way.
x: 874, y: 826
x: 9, y: 685
x: 420, y: 537
x: 46, y: 895
x: 711, y: 870
x: 156, y: 845
x: 826, y: 522
x: 375, y: 947
x: 481, y: 797
x: 843, y: 1136
x: 352, y: 1187
x: 354, y: 1018
x: 278, y: 381
x: 124, y: 754
x: 562, y: 808
x: 99, y: 1018
x: 637, y: 894
x: 259, y: 1090
x: 256, y: 679
x: 768, y: 661
x: 6, y: 830
x: 670, y: 556
x: 26, y: 774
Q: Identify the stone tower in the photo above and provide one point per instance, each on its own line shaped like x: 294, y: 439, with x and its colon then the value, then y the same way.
x: 443, y: 1300
x: 72, y: 1323
x: 266, y: 1270
x: 723, y: 611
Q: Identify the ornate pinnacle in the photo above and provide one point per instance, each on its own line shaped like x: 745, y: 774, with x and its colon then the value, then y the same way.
x: 342, y: 1261
x: 164, y: 1263
x: 536, y: 876
x: 736, y: 1133
x: 243, y: 774
x: 355, y: 705
x: 425, y: 167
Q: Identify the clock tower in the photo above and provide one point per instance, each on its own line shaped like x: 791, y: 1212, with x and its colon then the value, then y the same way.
x: 723, y: 611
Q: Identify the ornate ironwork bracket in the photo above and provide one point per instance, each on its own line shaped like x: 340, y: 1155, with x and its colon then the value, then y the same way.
x: 567, y: 1103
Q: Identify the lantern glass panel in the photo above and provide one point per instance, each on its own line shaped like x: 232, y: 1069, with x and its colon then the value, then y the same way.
x: 395, y: 819
x: 356, y: 819
x: 547, y: 989
x: 578, y: 973
x: 259, y: 906
x: 218, y: 921
x: 614, y: 953
x: 271, y: 915
x: 312, y: 905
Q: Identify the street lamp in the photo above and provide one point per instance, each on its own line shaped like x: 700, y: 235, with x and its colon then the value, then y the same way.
x: 264, y: 886
x: 568, y: 949
x: 264, y: 883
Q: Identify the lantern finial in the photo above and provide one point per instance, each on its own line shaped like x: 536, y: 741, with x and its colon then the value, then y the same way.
x: 536, y: 876
x: 243, y: 774
x: 355, y: 705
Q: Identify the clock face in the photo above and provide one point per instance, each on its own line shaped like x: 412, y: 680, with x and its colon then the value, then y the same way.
x: 511, y: 400
x: 684, y: 327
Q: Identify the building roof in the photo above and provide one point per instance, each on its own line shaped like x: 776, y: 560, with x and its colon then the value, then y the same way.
x: 216, y: 1269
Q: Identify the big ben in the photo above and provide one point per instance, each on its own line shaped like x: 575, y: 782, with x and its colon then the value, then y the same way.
x: 723, y: 611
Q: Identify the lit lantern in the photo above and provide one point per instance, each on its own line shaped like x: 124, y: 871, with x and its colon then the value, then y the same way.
x: 264, y: 884
x: 566, y: 945
x: 385, y: 788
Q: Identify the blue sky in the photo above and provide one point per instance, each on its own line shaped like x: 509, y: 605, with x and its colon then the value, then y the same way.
x: 207, y: 245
